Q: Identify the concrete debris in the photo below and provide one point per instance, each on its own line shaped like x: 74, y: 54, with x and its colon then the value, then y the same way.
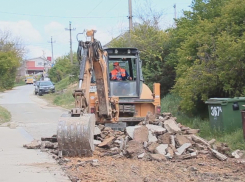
x: 141, y: 134
x: 97, y: 130
x: 171, y: 126
x: 97, y: 142
x: 161, y: 149
x: 141, y: 156
x: 158, y: 157
x: 165, y: 138
x: 151, y: 137
x: 182, y: 149
x: 35, y: 144
x: 152, y: 147
x: 157, y: 138
x: 106, y: 142
x: 181, y: 140
x: 211, y: 141
x: 134, y: 148
x: 218, y: 155
x: 159, y: 130
x: 192, y: 131
x: 237, y: 154
x: 130, y: 130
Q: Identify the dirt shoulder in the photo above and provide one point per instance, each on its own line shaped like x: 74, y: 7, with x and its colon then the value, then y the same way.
x: 202, y: 168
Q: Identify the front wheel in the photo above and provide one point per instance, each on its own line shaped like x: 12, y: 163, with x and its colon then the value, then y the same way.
x: 40, y: 93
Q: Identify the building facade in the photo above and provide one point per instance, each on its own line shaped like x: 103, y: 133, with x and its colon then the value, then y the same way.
x: 37, y: 65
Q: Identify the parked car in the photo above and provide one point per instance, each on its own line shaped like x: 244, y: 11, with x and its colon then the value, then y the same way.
x: 36, y: 84
x: 44, y: 87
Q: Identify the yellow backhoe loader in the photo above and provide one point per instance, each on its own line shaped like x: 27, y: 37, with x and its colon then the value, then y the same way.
x: 99, y: 100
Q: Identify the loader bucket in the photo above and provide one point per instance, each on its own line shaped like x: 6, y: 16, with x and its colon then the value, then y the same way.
x: 75, y: 135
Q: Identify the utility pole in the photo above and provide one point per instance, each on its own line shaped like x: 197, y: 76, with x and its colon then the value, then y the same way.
x: 52, y: 49
x: 175, y: 11
x: 175, y: 14
x: 130, y: 15
x: 71, y: 54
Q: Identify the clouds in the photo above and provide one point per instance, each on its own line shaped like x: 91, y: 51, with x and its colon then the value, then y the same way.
x: 37, y: 40
x: 58, y: 32
x: 22, y: 29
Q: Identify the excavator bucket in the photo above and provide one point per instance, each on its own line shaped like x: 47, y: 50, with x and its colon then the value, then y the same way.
x: 75, y: 135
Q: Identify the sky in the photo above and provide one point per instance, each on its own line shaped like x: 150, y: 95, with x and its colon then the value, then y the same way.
x: 35, y: 22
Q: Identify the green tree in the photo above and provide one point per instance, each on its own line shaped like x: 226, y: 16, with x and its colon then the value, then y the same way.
x: 11, y: 53
x: 210, y: 59
x: 64, y: 68
x: 153, y: 45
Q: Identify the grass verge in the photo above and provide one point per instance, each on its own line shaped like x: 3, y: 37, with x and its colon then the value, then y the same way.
x: 63, y: 96
x: 234, y: 139
x: 19, y: 83
x: 5, y: 115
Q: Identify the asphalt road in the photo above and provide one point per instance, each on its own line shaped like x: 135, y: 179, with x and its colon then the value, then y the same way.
x: 34, y: 119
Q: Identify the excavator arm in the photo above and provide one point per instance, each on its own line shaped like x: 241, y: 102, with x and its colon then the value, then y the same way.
x: 75, y: 131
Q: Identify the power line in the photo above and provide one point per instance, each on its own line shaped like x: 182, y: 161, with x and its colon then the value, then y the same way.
x: 113, y: 7
x: 95, y: 7
x: 50, y: 16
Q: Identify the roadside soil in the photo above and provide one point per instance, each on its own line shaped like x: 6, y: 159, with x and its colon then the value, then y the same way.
x: 113, y: 168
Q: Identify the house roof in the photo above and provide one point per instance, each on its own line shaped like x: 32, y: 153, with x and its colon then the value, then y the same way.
x: 35, y: 68
x: 32, y: 59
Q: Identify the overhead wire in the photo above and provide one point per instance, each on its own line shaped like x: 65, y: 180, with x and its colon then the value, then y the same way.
x: 113, y: 6
x: 51, y: 16
x: 95, y: 7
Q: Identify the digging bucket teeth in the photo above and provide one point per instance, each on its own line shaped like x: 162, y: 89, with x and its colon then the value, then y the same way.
x: 75, y: 135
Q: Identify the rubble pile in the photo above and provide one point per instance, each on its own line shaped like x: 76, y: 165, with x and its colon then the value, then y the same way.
x: 160, y: 139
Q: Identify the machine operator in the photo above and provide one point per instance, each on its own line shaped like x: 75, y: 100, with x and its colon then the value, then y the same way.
x: 119, y: 73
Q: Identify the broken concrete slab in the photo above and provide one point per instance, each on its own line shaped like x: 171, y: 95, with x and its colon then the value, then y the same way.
x: 156, y: 129
x: 199, y: 140
x: 211, y: 142
x: 182, y: 149
x: 101, y: 127
x: 192, y: 131
x: 170, y: 151
x: 151, y: 137
x: 107, y: 142
x: 189, y: 156
x: 237, y: 154
x: 35, y: 144
x: 158, y: 157
x: 141, y: 156
x: 130, y: 130
x: 218, y: 155
x: 97, y: 142
x: 161, y: 149
x: 141, y: 134
x: 171, y: 126
x: 180, y: 140
x: 164, y: 139
x: 134, y: 148
x: 97, y: 131
x: 152, y: 147
x: 172, y: 139
x: 49, y: 145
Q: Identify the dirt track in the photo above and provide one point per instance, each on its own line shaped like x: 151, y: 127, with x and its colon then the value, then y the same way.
x: 203, y: 168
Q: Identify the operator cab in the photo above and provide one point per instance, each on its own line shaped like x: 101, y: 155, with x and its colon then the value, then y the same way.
x: 128, y: 59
